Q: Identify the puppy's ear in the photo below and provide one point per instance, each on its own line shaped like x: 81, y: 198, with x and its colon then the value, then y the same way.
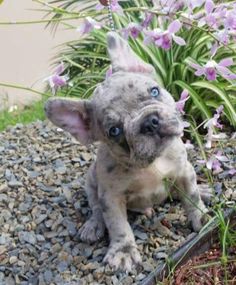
x: 123, y: 58
x: 73, y: 116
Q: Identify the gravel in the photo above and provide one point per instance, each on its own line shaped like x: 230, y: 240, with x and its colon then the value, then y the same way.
x: 43, y: 205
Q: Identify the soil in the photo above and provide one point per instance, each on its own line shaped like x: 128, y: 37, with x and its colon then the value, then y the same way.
x: 208, y: 269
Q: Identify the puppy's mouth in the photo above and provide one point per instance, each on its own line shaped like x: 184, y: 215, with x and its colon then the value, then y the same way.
x: 149, y: 147
x: 151, y: 136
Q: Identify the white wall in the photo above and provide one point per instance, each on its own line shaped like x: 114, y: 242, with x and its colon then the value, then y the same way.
x: 26, y: 51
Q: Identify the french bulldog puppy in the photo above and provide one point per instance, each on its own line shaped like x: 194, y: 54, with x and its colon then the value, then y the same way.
x: 139, y: 129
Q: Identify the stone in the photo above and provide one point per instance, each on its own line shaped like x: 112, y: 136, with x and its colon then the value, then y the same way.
x: 28, y: 237
x: 3, y: 249
x: 147, y: 266
x: 140, y: 235
x: 48, y: 276
x: 13, y: 259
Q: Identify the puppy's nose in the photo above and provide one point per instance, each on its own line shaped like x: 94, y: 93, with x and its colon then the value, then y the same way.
x: 150, y: 125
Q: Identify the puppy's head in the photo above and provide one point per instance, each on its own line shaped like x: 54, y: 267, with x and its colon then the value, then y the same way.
x: 129, y: 111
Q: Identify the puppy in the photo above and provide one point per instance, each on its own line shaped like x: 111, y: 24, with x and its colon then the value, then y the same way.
x: 138, y: 127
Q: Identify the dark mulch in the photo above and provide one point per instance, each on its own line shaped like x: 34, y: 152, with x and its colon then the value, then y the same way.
x: 207, y: 268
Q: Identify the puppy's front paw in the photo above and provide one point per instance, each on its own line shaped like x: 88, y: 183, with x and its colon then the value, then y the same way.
x: 206, y: 193
x: 92, y: 231
x: 199, y: 218
x: 123, y: 256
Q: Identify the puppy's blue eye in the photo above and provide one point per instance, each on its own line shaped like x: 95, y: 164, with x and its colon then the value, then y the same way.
x: 155, y: 92
x: 115, y: 132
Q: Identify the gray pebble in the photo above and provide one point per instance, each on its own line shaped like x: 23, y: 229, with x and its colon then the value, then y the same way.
x: 2, y: 276
x: 48, y: 276
x: 14, y: 183
x: 28, y: 237
x: 147, y: 266
x: 62, y: 266
x: 140, y: 235
x: 160, y: 255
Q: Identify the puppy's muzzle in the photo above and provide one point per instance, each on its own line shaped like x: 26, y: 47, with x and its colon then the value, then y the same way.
x: 150, y: 125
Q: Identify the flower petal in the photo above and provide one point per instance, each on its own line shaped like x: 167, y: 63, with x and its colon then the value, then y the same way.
x: 184, y: 95
x: 210, y: 74
x: 195, y: 65
x: 59, y: 81
x: 174, y: 26
x: 226, y: 62
x: 216, y: 166
x: 209, y: 6
x: 200, y: 72
x: 225, y: 72
x: 99, y: 7
x: 180, y: 41
x: 60, y: 68
x: 209, y: 163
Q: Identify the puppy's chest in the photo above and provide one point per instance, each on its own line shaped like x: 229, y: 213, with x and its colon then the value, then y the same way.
x: 148, y: 182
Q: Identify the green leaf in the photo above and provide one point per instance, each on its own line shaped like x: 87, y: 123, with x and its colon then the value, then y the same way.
x: 220, y: 92
x: 198, y: 101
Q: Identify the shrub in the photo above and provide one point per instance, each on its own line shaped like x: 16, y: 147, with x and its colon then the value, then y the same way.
x: 191, y: 44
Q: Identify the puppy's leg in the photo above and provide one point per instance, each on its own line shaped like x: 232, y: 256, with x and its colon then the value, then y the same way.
x: 122, y: 252
x: 94, y: 228
x: 190, y: 196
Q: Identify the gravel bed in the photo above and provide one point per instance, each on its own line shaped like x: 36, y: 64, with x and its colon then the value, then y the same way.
x: 43, y: 204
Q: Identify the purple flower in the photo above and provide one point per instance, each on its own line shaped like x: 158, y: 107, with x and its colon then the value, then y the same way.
x: 211, y: 18
x: 164, y: 39
x: 57, y: 80
x: 115, y: 7
x: 147, y: 20
x: 215, y: 161
x: 211, y: 69
x: 230, y: 20
x: 88, y: 25
x: 213, y: 164
x: 133, y: 29
x: 223, y: 36
x: 168, y: 6
x: 211, y: 123
x: 192, y: 4
x: 181, y: 103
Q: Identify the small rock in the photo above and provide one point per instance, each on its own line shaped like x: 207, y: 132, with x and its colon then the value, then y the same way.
x: 28, y: 237
x: 40, y: 238
x: 127, y: 280
x: 140, y: 235
x: 3, y: 198
x: 14, y: 183
x: 3, y: 249
x: 157, y: 225
x: 147, y: 266
x: 62, y: 266
x: 48, y: 276
x: 2, y: 277
x: 37, y: 159
x: 86, y: 156
x: 160, y: 255
x: 40, y: 219
x: 13, y: 259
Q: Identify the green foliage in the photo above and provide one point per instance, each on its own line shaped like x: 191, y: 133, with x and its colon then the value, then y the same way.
x: 227, y: 234
x: 87, y: 62
x: 27, y: 115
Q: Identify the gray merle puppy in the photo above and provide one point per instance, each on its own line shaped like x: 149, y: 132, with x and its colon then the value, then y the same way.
x: 139, y: 130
